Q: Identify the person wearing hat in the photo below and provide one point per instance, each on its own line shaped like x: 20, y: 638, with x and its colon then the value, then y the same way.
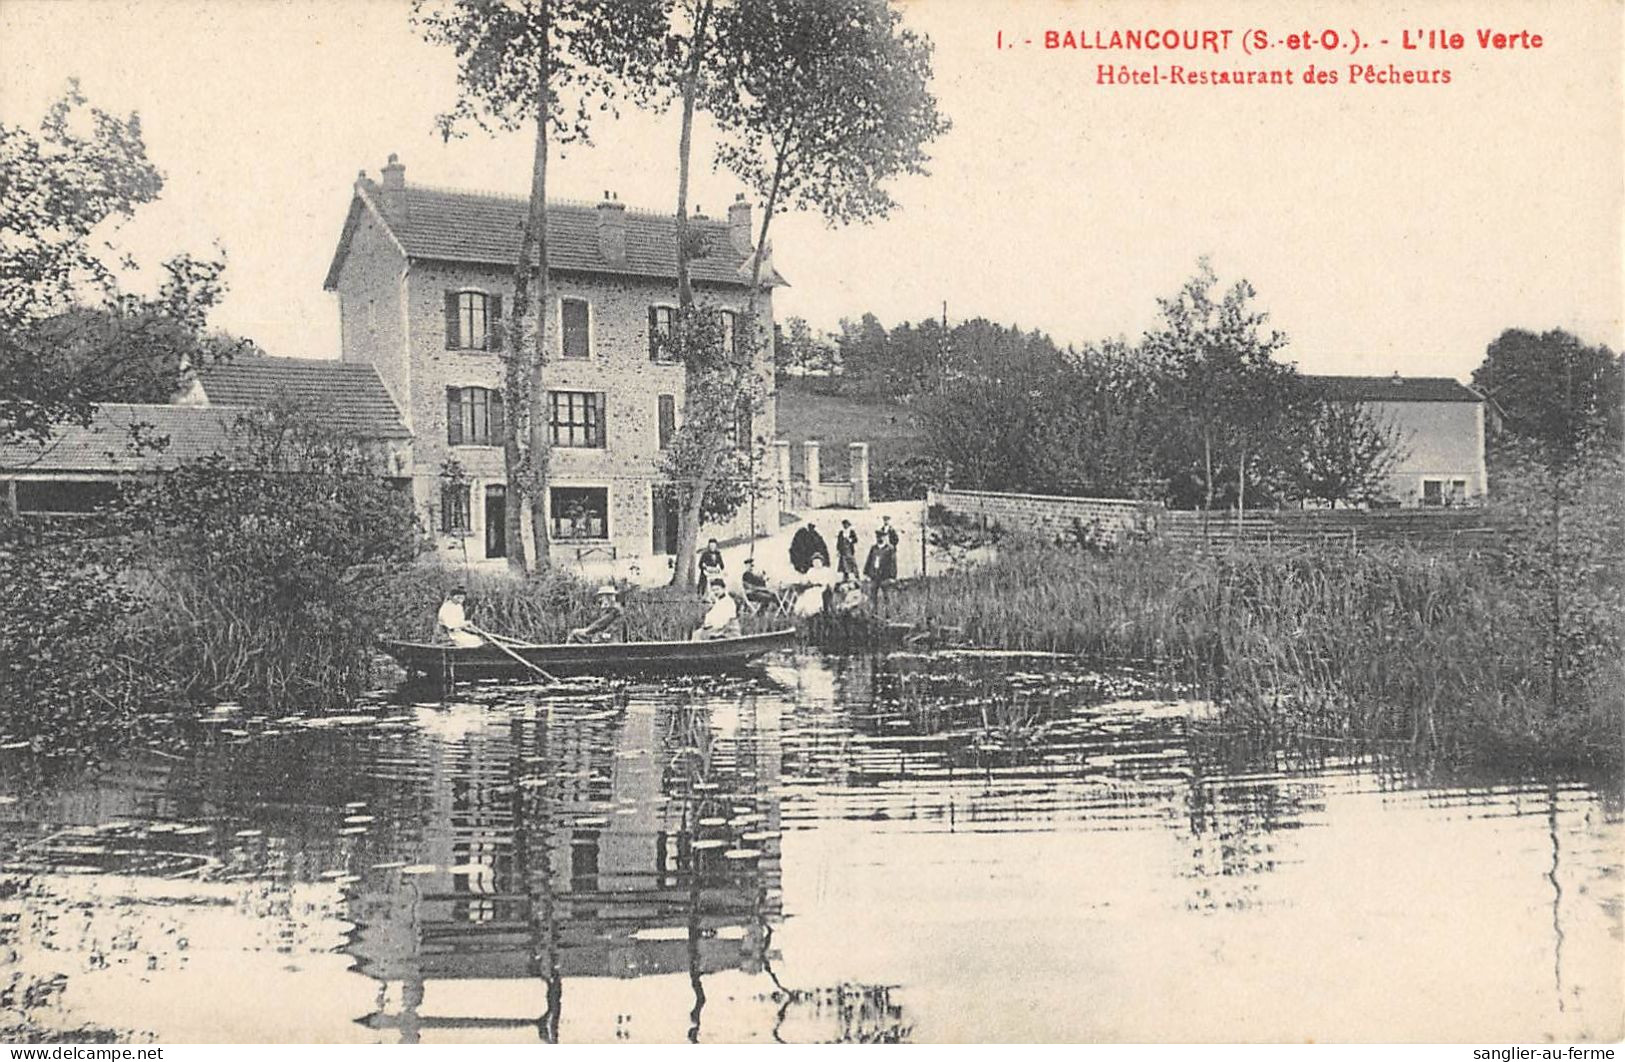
x: 754, y: 585
x: 846, y: 550
x: 610, y: 625
x: 453, y: 621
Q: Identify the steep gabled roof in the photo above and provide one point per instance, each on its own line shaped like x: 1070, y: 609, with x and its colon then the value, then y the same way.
x: 349, y: 397
x: 1395, y: 388
x: 124, y: 437
x: 451, y: 226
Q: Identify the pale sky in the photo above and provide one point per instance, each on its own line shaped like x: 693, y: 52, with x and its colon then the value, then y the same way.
x: 1386, y: 227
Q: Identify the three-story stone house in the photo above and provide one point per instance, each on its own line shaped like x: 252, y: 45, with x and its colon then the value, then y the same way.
x: 424, y: 278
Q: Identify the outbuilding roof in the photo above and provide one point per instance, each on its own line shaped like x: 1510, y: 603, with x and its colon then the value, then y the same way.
x: 124, y: 437
x: 348, y: 396
x: 1395, y: 388
x: 446, y: 225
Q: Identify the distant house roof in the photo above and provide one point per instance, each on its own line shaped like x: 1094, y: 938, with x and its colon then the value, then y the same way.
x: 1394, y: 388
x: 124, y: 437
x: 349, y: 397
x: 451, y: 226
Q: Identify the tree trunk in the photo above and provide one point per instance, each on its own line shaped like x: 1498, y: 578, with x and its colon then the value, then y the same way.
x: 536, y: 224
x: 688, y: 520
x: 1241, y: 492
x: 715, y: 437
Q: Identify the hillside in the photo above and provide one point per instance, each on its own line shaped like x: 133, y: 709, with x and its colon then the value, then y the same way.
x: 840, y: 419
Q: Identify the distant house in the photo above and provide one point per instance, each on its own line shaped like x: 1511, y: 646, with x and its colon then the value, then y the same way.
x: 80, y: 466
x: 1441, y: 426
x: 424, y: 277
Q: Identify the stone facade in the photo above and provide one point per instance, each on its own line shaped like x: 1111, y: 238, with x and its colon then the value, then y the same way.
x: 393, y: 312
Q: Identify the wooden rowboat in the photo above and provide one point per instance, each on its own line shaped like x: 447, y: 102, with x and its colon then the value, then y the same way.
x: 449, y: 662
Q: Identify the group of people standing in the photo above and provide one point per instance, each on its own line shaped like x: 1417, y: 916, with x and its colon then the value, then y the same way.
x: 808, y: 548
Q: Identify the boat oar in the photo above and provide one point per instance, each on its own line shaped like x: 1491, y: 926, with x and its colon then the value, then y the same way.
x: 494, y: 640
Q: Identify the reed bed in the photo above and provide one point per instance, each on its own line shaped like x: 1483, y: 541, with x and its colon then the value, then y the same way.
x: 1447, y: 654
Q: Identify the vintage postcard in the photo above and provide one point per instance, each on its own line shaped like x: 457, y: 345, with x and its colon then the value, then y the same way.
x: 812, y: 521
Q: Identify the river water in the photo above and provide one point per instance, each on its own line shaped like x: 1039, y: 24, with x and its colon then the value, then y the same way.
x: 924, y: 848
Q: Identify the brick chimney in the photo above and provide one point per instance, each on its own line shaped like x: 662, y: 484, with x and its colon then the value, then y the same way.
x: 394, y: 185
x: 612, y: 229
x: 739, y: 224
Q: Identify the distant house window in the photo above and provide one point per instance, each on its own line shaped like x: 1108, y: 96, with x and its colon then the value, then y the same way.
x: 473, y: 416
x: 1444, y: 492
x: 579, y: 512
x: 577, y: 328
x: 473, y: 320
x: 667, y: 409
x: 577, y: 418
x: 662, y: 326
x: 454, y: 508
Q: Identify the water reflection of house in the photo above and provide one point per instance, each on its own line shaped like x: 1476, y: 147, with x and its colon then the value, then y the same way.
x: 568, y: 849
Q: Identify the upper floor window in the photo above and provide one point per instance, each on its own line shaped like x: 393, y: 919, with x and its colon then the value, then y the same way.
x: 728, y: 321
x: 473, y: 320
x: 575, y: 334
x: 662, y: 326
x: 473, y: 416
x: 666, y: 409
x: 576, y: 418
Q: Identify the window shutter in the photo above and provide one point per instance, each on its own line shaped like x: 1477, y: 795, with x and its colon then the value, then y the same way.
x: 493, y: 322
x: 454, y: 417
x: 603, y: 426
x: 654, y: 339
x: 451, y: 320
x: 498, y: 433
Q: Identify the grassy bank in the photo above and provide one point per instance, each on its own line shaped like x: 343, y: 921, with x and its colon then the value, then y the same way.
x: 1450, y: 655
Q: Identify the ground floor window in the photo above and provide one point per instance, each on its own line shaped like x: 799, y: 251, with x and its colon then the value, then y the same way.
x: 1444, y: 492
x: 64, y: 496
x: 455, y: 517
x: 496, y: 520
x: 579, y: 512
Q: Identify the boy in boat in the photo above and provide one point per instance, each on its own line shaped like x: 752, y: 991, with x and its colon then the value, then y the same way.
x: 722, y: 618
x: 453, y: 621
x: 610, y: 624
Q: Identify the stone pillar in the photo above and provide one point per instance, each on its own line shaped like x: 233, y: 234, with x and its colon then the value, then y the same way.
x: 857, y: 463
x: 781, y: 468
x: 809, y: 459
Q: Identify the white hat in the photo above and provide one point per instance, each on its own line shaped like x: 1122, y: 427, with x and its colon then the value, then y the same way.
x: 607, y: 590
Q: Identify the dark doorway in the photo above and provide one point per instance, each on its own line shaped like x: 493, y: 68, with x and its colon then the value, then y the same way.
x: 496, y: 520
x: 665, y: 524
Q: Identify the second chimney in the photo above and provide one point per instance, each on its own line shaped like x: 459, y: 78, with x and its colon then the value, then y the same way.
x: 739, y: 224
x: 394, y: 186
x: 612, y: 229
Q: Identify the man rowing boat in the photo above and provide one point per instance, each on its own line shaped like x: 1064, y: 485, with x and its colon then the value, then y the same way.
x: 610, y: 616
x: 453, y: 621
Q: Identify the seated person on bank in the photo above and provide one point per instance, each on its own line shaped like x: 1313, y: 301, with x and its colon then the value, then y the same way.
x: 453, y: 621
x: 848, y: 595
x: 721, y: 617
x: 754, y: 585
x: 610, y: 623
